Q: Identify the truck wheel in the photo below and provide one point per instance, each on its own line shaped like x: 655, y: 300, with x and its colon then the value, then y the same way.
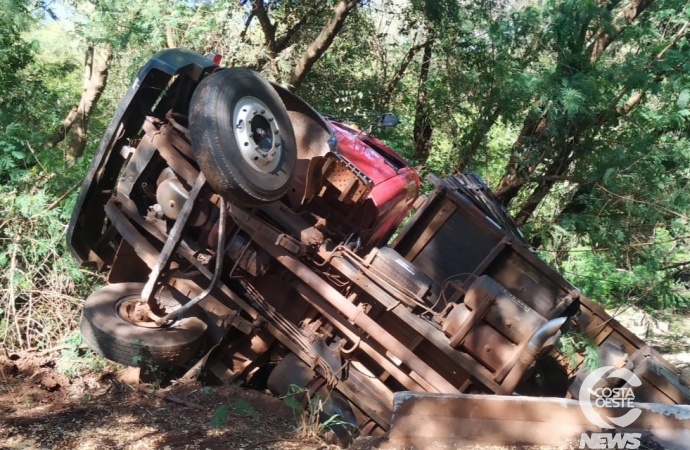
x: 242, y: 137
x: 108, y: 326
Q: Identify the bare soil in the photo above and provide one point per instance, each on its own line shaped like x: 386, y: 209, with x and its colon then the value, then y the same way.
x: 41, y: 408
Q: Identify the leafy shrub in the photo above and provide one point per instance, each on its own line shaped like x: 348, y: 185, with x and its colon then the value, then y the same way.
x: 41, y: 285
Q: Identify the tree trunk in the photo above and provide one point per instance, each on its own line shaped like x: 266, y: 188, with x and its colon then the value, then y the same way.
x: 555, y: 170
x: 479, y: 129
x: 423, y: 128
x: 515, y: 176
x: 512, y: 182
x: 268, y: 28
x: 60, y: 132
x: 605, y: 37
x: 393, y: 83
x: 170, y: 36
x: 243, y: 34
x: 77, y: 120
x: 324, y: 40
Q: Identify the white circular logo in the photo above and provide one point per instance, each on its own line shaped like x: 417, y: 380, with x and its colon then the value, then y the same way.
x: 607, y: 397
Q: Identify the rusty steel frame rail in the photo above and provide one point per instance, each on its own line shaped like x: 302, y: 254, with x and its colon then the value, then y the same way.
x: 425, y: 329
x: 141, y: 246
x: 351, y: 388
x: 174, y: 238
x: 336, y: 299
x: 330, y: 312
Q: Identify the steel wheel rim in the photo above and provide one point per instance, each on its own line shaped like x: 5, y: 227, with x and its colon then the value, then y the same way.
x: 125, y: 309
x: 257, y: 134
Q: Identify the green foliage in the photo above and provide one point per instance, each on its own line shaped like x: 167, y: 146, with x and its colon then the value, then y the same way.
x: 580, y: 351
x: 292, y: 401
x: 219, y: 419
x: 66, y: 363
x: 76, y: 360
x: 312, y: 420
x: 41, y: 289
x: 613, y: 215
x: 142, y: 359
x: 244, y: 408
x: 645, y: 284
x: 11, y: 149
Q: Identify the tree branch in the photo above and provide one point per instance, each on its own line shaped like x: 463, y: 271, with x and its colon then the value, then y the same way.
x: 324, y: 40
x: 606, y: 35
x: 676, y: 265
x: 637, y: 96
x: 284, y: 41
x: 478, y: 131
x: 642, y: 202
x: 409, y: 56
x: 630, y: 103
x: 518, y: 184
x: 268, y: 28
x: 248, y: 22
x: 674, y: 41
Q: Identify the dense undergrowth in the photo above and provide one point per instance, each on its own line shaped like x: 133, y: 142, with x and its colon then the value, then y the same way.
x: 42, y: 285
x: 613, y: 219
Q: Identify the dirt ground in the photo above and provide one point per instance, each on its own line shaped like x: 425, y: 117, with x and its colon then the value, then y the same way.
x: 43, y: 409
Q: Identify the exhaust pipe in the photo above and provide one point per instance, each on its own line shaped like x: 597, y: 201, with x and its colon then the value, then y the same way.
x: 543, y: 334
x: 536, y: 342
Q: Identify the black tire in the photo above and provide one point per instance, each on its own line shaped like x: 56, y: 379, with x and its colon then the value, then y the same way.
x: 236, y: 155
x: 107, y: 333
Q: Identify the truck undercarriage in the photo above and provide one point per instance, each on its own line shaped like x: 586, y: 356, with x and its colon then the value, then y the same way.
x: 298, y: 285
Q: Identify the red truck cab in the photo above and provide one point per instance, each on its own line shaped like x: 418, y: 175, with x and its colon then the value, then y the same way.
x: 395, y: 182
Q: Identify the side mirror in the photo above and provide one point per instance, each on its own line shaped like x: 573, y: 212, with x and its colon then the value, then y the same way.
x: 387, y: 120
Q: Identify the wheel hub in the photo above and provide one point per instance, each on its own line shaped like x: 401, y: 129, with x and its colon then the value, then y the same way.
x: 257, y: 133
x: 137, y: 312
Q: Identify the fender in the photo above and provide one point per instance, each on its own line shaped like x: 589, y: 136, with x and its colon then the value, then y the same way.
x: 88, y: 216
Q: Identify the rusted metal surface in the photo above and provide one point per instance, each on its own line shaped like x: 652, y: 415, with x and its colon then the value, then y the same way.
x: 356, y: 315
x: 162, y: 138
x: 426, y: 421
x: 457, y: 304
x: 359, y: 342
x: 142, y: 247
x: 174, y: 237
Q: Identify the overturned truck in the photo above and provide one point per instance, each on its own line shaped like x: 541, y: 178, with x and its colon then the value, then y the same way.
x: 248, y: 235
